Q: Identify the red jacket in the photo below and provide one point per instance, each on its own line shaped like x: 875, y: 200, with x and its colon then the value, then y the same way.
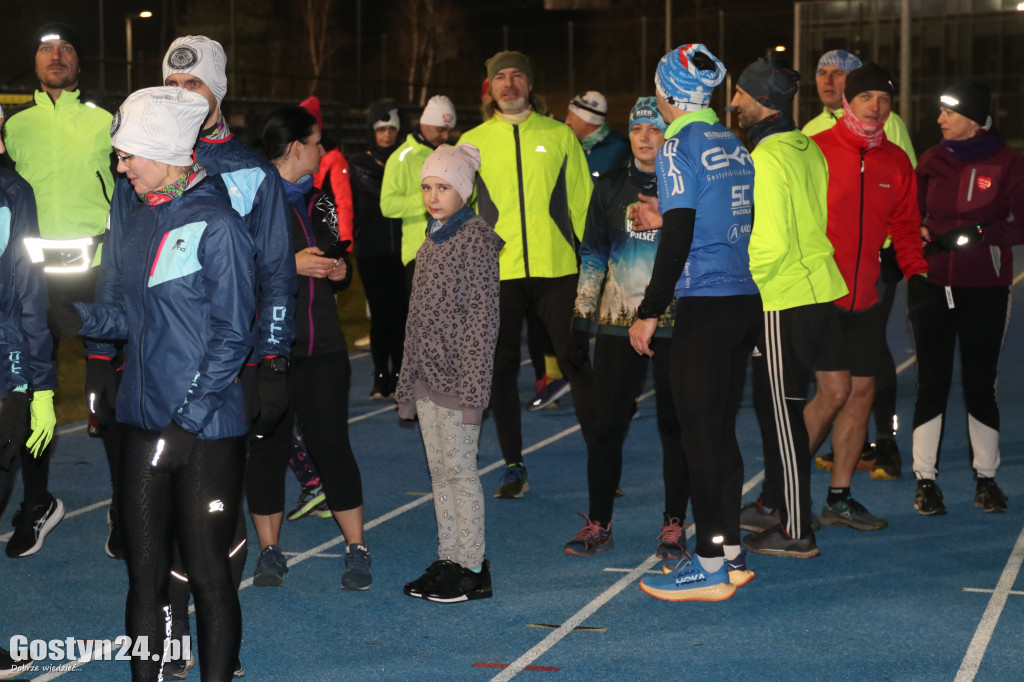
x: 872, y: 194
x: 989, y: 192
x: 332, y: 179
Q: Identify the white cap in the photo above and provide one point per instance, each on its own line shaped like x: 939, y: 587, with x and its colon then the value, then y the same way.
x: 591, y: 106
x: 439, y: 112
x: 390, y: 122
x: 457, y: 165
x: 201, y: 57
x: 160, y: 124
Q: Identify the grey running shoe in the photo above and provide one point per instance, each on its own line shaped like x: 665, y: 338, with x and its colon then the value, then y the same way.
x: 988, y: 497
x: 928, y: 498
x: 852, y: 514
x: 311, y: 497
x: 357, y: 574
x: 777, y: 542
x: 755, y: 517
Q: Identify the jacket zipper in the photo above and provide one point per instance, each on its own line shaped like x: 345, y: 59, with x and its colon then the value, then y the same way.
x: 142, y: 324
x: 860, y: 234
x: 522, y: 198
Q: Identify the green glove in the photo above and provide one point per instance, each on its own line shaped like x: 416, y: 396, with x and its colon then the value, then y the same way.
x: 43, y: 421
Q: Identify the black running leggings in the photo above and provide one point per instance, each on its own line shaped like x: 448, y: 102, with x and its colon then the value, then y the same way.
x: 388, y: 297
x: 198, y: 508
x: 711, y: 343
x: 619, y: 374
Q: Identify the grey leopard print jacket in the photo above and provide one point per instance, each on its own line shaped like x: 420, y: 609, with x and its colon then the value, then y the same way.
x: 452, y: 328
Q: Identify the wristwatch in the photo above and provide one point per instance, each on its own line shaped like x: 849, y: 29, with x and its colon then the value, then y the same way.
x: 275, y: 362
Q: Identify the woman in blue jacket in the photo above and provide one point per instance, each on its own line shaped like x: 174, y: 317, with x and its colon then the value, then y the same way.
x: 177, y: 285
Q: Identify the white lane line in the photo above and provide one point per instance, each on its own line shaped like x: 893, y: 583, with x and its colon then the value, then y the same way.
x: 374, y: 413
x: 1018, y: 593
x: 983, y: 634
x: 591, y: 608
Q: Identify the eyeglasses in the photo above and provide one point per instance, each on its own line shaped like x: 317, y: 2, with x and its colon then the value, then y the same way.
x: 124, y: 159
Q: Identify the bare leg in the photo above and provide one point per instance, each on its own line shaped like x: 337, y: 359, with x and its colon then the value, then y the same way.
x: 851, y: 428
x: 821, y: 410
x: 268, y: 528
x: 350, y: 522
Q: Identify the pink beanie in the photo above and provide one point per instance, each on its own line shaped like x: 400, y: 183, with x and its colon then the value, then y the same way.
x: 457, y: 165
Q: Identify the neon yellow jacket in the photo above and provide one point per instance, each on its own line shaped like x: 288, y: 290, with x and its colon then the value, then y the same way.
x: 401, y: 197
x: 895, y: 130
x: 63, y: 150
x: 790, y: 255
x: 534, y: 187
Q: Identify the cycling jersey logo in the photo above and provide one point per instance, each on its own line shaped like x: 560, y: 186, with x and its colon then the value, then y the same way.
x: 674, y: 175
x: 182, y: 58
x: 717, y: 157
x: 115, y: 125
x: 734, y: 234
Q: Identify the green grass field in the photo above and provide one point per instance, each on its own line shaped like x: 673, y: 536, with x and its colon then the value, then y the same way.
x: 69, y: 400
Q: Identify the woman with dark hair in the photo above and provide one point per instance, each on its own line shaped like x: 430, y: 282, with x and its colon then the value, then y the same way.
x: 176, y: 282
x: 378, y: 249
x: 970, y: 189
x: 319, y: 374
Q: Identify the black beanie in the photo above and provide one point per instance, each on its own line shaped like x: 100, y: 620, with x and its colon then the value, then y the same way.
x: 968, y: 98
x: 770, y: 81
x: 58, y: 31
x: 868, y: 77
x: 380, y: 110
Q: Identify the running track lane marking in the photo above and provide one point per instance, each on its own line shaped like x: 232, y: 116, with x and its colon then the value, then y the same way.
x: 540, y: 668
x: 523, y: 662
x: 983, y: 634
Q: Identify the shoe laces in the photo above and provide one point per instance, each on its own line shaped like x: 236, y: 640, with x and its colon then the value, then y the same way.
x: 513, y: 474
x: 671, y: 532
x: 357, y: 558
x: 591, y: 531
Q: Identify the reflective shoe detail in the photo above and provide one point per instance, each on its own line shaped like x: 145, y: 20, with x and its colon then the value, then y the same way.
x: 755, y: 517
x: 322, y: 511
x: 851, y: 514
x: 239, y: 671
x: 114, y: 547
x: 453, y: 586
x: 425, y: 582
x: 548, y: 392
x: 270, y: 568
x: 357, y: 574
x: 591, y: 538
x: 513, y: 482
x: 988, y: 497
x: 928, y: 498
x: 671, y: 541
x: 888, y: 464
x: 178, y: 669
x: 32, y: 525
x: 777, y: 542
x: 381, y: 387
x: 739, y: 575
x: 309, y: 499
x: 690, y: 582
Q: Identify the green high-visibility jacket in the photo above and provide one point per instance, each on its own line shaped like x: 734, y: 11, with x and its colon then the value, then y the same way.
x: 63, y: 150
x: 401, y: 197
x: 790, y: 254
x: 895, y: 130
x: 534, y: 186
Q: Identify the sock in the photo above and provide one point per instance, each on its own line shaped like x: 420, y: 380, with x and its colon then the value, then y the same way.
x: 551, y: 368
x: 477, y: 569
x: 731, y: 551
x: 837, y: 495
x: 711, y: 564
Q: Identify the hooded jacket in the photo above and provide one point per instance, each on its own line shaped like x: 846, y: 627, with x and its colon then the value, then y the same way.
x: 26, y: 347
x: 872, y: 194
x: 177, y: 284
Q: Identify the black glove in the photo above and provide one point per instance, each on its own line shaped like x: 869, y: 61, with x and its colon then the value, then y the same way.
x: 954, y: 240
x: 918, y: 292
x: 172, y: 449
x: 271, y: 394
x: 100, y: 389
x: 63, y: 318
x: 13, y: 427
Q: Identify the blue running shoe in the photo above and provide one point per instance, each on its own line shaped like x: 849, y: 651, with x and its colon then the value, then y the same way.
x: 851, y: 514
x: 548, y: 393
x: 270, y: 568
x: 738, y: 573
x: 514, y: 482
x: 690, y: 582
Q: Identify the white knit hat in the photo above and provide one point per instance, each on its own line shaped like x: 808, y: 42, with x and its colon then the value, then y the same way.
x: 160, y: 124
x: 457, y: 165
x: 201, y: 57
x: 439, y: 112
x: 591, y: 106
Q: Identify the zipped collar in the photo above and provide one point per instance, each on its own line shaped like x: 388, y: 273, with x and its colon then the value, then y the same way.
x: 703, y: 116
x: 195, y: 175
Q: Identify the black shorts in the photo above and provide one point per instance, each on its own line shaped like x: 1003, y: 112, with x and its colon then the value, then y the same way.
x: 854, y: 341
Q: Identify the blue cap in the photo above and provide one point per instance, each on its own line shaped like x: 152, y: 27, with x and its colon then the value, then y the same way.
x: 646, y: 111
x: 841, y: 58
x: 687, y: 75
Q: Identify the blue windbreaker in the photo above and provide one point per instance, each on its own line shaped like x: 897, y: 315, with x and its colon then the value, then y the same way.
x: 177, y: 283
x: 26, y: 346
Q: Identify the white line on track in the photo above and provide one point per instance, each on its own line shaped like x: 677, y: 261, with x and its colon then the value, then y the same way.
x: 983, y: 634
x: 1018, y: 593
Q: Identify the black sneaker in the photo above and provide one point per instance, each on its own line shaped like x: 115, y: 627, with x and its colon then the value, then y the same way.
x: 928, y: 498
x: 462, y: 585
x: 357, y: 575
x: 426, y: 581
x: 888, y: 463
x: 381, y: 387
x: 10, y: 667
x: 777, y: 542
x: 178, y: 669
x: 755, y: 517
x: 988, y: 497
x: 31, y: 526
x: 113, y: 547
